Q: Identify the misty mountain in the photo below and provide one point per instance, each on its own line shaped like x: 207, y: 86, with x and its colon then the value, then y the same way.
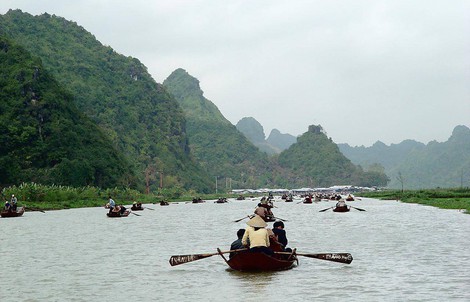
x: 282, y: 141
x: 445, y: 164
x: 387, y: 156
x: 254, y: 131
x: 217, y: 144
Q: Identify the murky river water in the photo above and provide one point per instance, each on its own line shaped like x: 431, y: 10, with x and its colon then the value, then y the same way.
x: 402, y: 252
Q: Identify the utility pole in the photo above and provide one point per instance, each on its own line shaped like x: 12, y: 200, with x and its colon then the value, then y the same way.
x: 161, y: 179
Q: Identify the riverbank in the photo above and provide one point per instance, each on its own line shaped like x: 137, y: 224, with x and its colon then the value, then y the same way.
x: 37, y: 197
x: 458, y: 199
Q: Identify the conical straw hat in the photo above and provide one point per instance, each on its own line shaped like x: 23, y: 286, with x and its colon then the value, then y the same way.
x: 257, y: 222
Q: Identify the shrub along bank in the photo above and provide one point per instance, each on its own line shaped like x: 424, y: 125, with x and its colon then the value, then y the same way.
x: 458, y: 198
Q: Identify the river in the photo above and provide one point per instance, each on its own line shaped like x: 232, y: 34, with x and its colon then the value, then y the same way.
x: 402, y: 252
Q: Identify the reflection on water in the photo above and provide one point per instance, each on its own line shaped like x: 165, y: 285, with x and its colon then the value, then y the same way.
x: 402, y: 252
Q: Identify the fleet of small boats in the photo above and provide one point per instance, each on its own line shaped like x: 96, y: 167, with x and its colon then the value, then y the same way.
x: 243, y: 260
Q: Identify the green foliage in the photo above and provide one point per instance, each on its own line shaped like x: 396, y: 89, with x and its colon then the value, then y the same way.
x: 44, y: 137
x: 55, y: 197
x: 142, y: 121
x: 458, y: 198
x: 316, y: 157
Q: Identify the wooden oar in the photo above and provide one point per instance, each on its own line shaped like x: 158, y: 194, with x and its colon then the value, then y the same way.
x: 181, y: 259
x: 247, y: 216
x: 336, y: 257
x: 149, y: 208
x: 280, y: 219
x: 134, y: 213
x: 357, y: 208
x: 326, y: 209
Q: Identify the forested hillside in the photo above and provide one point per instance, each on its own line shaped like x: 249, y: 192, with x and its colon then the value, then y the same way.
x: 137, y: 115
x: 418, y: 166
x: 153, y: 129
x: 316, y: 161
x: 44, y: 137
x: 216, y: 143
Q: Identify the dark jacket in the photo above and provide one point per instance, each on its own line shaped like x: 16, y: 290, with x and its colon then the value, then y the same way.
x: 281, y: 236
x: 237, y: 244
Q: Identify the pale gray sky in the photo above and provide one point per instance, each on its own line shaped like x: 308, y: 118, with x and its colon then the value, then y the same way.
x: 365, y: 70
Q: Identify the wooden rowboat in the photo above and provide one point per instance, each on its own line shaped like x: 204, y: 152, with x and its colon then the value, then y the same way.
x: 257, y: 261
x: 18, y: 213
x: 118, y: 214
x: 137, y: 208
x: 341, y: 209
x: 221, y: 200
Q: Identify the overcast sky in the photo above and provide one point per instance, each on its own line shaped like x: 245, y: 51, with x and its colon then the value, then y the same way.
x: 365, y: 70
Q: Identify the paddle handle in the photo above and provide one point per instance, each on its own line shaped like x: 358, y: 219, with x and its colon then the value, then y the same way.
x: 181, y: 259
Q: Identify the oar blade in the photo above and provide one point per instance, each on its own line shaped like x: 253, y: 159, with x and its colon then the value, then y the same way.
x: 336, y: 257
x: 359, y: 209
x: 326, y: 209
x: 181, y: 259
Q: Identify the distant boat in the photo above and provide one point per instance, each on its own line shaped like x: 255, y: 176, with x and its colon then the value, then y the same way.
x: 341, y: 209
x: 118, y: 214
x: 17, y: 213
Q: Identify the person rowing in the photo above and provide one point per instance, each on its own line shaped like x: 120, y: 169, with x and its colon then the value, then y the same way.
x: 264, y: 211
x: 341, y: 203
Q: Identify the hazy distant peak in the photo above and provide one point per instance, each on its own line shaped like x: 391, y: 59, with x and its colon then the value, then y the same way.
x: 460, y: 133
x: 379, y: 144
x: 252, y: 129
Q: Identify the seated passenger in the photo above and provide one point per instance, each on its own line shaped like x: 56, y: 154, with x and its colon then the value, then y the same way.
x: 278, y: 230
x: 341, y: 203
x: 256, y: 236
x: 237, y: 244
x: 7, y: 206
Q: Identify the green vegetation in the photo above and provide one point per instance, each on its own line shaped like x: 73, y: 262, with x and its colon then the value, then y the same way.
x: 441, y: 198
x: 63, y: 197
x: 41, y: 197
x: 316, y: 157
x: 43, y: 135
x: 139, y: 118
x: 217, y: 145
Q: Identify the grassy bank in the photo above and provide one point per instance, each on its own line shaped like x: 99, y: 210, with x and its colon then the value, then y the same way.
x: 39, y: 197
x: 442, y: 198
